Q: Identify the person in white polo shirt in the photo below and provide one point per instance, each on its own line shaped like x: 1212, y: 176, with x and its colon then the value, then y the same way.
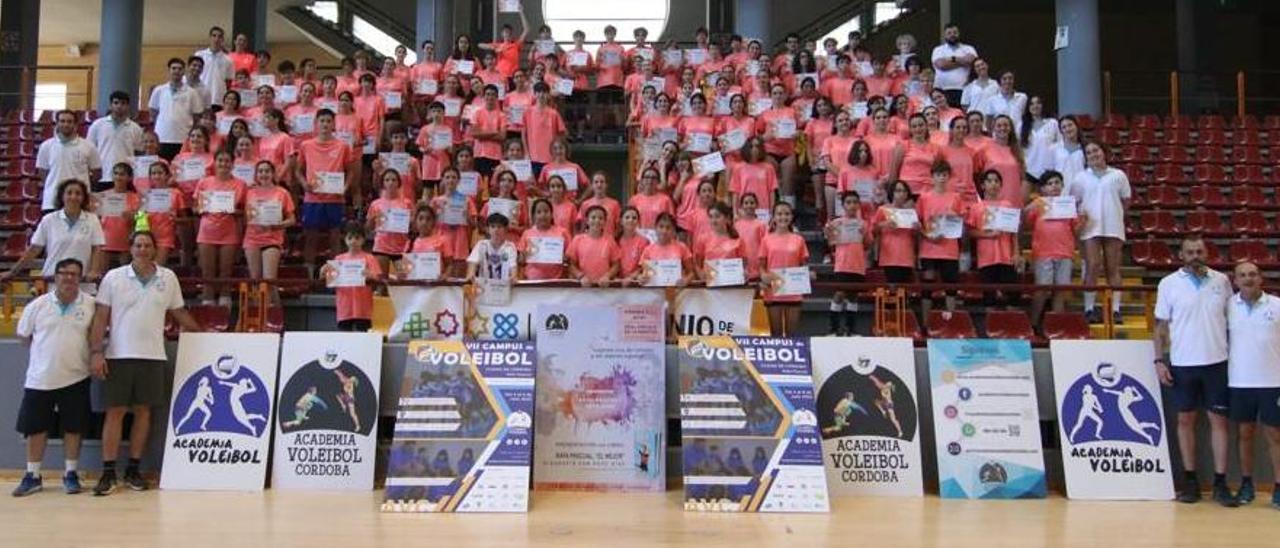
x: 116, y: 137
x: 56, y: 326
x: 68, y: 232
x: 1191, y: 347
x: 1253, y: 373
x: 218, y: 67
x: 65, y: 156
x: 174, y: 107
x: 951, y: 62
x: 133, y: 300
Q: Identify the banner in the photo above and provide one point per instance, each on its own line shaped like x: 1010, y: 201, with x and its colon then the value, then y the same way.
x: 986, y: 423
x: 424, y: 313
x: 1110, y: 421
x: 514, y: 321
x: 327, y: 425
x: 750, y: 433
x: 601, y: 405
x: 868, y: 415
x: 220, y: 412
x: 463, y: 428
x: 703, y: 312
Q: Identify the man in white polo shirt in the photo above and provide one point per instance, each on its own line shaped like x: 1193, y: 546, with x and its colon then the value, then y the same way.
x: 951, y: 63
x: 174, y: 107
x: 56, y: 325
x: 1191, y: 348
x: 116, y: 137
x: 133, y: 299
x: 1253, y: 371
x: 65, y: 156
x: 218, y: 67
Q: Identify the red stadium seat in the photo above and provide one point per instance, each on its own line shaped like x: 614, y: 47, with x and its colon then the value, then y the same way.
x: 1144, y: 136
x: 1210, y: 153
x: 1181, y: 121
x: 1170, y: 174
x: 1174, y: 154
x: 1251, y: 250
x: 1163, y: 196
x: 1271, y: 122
x: 1144, y: 121
x: 1110, y: 136
x: 1246, y: 137
x: 1204, y: 222
x: 1151, y: 253
x: 1009, y: 324
x: 941, y: 324
x: 14, y: 246
x: 20, y: 216
x: 1136, y: 153
x: 1117, y: 121
x: 1246, y: 155
x: 1249, y: 121
x: 1248, y: 174
x: 1213, y: 255
x: 1211, y: 137
x: 1211, y: 121
x: 1065, y: 326
x: 1086, y: 122
x: 13, y: 193
x: 292, y: 280
x: 1136, y: 174
x: 1208, y: 196
x: 911, y: 328
x: 1178, y: 136
x: 1248, y: 197
x: 1209, y: 174
x: 1249, y: 222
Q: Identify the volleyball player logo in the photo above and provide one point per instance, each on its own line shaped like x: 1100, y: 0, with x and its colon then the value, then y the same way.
x: 1106, y: 405
x: 329, y: 393
x: 222, y: 397
x: 865, y: 399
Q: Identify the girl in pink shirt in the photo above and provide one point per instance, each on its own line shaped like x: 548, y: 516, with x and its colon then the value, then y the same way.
x: 754, y: 175
x: 567, y: 169
x: 885, y: 144
x: 844, y: 235
x: 740, y: 122
x: 721, y: 242
x: 116, y: 207
x: 594, y: 256
x: 142, y: 172
x: 959, y: 157
x: 163, y: 203
x: 389, y: 241
x: 697, y: 129
x: 752, y: 231
x: 397, y: 143
x: 542, y: 233
x: 246, y: 157
x: 895, y: 245
x: 649, y: 203
x: 302, y: 116
x: 861, y: 175
x: 456, y: 212
x: 697, y: 223
x: 354, y: 304
x: 939, y: 255
x: 506, y: 190
x: 780, y: 125
x: 598, y: 195
x: 995, y: 250
x: 631, y: 245
x: 564, y: 210
x: 276, y: 146
x: 659, y: 119
x: 428, y: 240
x: 817, y: 131
x: 219, y: 233
x: 195, y: 164
x: 684, y: 182
x: 781, y: 248
x: 833, y: 158
x: 917, y: 156
x: 668, y: 248
x: 263, y: 233
x: 436, y: 141
x: 1004, y: 155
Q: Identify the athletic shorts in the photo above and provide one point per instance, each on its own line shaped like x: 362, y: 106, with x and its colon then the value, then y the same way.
x: 389, y: 256
x: 359, y: 325
x: 1256, y: 404
x: 67, y: 406
x: 1201, y: 387
x: 134, y: 382
x: 899, y: 274
x: 1053, y: 271
x: 948, y: 269
x: 318, y: 216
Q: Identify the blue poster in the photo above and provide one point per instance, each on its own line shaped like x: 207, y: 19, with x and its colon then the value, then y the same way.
x: 986, y: 421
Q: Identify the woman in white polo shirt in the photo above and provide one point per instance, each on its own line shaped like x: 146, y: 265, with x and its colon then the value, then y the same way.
x: 1103, y: 193
x: 69, y: 232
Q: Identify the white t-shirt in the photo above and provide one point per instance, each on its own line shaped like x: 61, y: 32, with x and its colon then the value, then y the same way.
x: 494, y: 264
x: 1040, y: 143
x: 174, y: 111
x: 137, y: 311
x: 1101, y: 198
x: 954, y: 78
x: 218, y: 70
x: 1069, y: 163
x: 997, y: 104
x: 73, y: 159
x: 1196, y: 310
x: 115, y: 143
x: 61, y: 238
x: 976, y: 92
x: 1255, y: 342
x: 59, y: 340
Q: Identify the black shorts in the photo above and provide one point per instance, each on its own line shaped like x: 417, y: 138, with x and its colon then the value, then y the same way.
x: 485, y: 166
x: 355, y: 324
x: 132, y: 382
x: 948, y: 270
x: 1201, y: 387
x: 779, y: 158
x: 898, y: 274
x: 1256, y: 404
x: 848, y: 277
x: 391, y: 256
x: 69, y: 404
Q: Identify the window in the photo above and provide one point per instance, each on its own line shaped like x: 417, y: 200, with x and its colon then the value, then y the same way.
x: 841, y: 33
x: 51, y: 96
x: 591, y: 16
x: 325, y: 10
x: 381, y: 42
x: 886, y: 11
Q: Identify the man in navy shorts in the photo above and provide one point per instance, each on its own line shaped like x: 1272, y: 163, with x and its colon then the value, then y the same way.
x: 1253, y: 371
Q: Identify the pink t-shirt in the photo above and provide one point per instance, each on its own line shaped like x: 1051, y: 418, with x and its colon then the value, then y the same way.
x: 537, y: 271
x: 961, y: 182
x: 220, y: 228
x: 882, y: 146
x: 256, y: 235
x: 897, y: 246
x: 1050, y: 238
x: 541, y: 126
x: 631, y: 248
x: 783, y: 251
x: 162, y: 223
x: 488, y: 121
x: 116, y: 228
x: 594, y: 256
x: 650, y: 206
x: 850, y: 257
x: 917, y: 162
x: 390, y: 243
x: 751, y: 232
x: 994, y: 250
x: 769, y: 120
x: 673, y: 250
x: 356, y: 303
x: 758, y: 178
x: 929, y: 207
x: 436, y: 242
x: 275, y: 147
x: 714, y: 246
x: 836, y: 148
x: 1000, y: 158
x: 330, y: 156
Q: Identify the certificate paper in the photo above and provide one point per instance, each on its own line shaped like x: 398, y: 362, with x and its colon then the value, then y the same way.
x: 426, y: 87
x: 159, y: 200
x: 111, y: 204
x: 950, y: 227
x: 905, y: 218
x: 784, y: 128
x: 543, y: 250
x: 192, y: 169
x: 142, y: 166
x: 663, y: 272
x: 422, y: 266
x: 849, y: 232
x: 219, y: 201
x: 331, y: 182
x: 568, y: 175
x: 395, y: 221
x: 733, y: 140
x: 505, y: 207
x: 793, y: 281
x: 347, y: 273
x: 1061, y: 207
x: 725, y: 272
x: 699, y: 142
x: 708, y: 164
x: 522, y: 168
x: 469, y: 183
x: 399, y: 161
x: 1003, y: 219
x: 268, y: 213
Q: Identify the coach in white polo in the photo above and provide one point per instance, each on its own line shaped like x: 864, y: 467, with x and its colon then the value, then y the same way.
x: 951, y: 62
x: 1191, y: 348
x: 65, y: 156
x: 116, y: 137
x: 1253, y: 371
x: 133, y: 300
x: 175, y: 107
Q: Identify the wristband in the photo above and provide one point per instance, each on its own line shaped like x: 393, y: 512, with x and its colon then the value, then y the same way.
x: 1162, y: 360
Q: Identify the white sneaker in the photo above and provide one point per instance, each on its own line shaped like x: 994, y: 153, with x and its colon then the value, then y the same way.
x: 224, y: 300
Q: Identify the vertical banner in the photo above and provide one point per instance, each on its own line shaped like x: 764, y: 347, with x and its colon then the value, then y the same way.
x: 750, y: 432
x: 986, y: 422
x: 220, y: 414
x: 426, y: 313
x: 327, y: 423
x: 868, y: 415
x: 464, y: 428
x: 601, y: 404
x: 703, y: 312
x: 1110, y: 421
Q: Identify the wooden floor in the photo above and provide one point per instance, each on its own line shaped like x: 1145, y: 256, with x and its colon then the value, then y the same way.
x: 276, y: 518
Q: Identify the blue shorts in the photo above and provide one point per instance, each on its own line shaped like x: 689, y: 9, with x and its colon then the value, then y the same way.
x: 1201, y: 387
x: 1256, y: 404
x: 317, y: 216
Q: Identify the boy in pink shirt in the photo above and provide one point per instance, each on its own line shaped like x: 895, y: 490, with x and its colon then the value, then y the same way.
x: 323, y: 158
x: 844, y: 235
x: 354, y: 304
x: 542, y: 124
x: 1053, y: 244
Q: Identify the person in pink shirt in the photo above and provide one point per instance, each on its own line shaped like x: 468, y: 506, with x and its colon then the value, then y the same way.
x: 845, y: 234
x: 834, y: 157
x: 196, y: 163
x: 392, y: 87
x: 683, y: 183
x: 396, y: 151
x: 391, y: 237
x: 371, y: 109
x: 817, y: 131
x: 508, y: 46
x: 780, y: 125
x: 939, y: 252
x: 781, y: 248
x: 301, y: 116
x: 861, y: 175
x: 1004, y: 154
x: 751, y: 230
x: 516, y: 102
x: 323, y: 158
x: 838, y: 86
x: 425, y: 76
x: 721, y: 242
x: 666, y: 247
x: 564, y: 211
x: 696, y: 223
x: 572, y: 174
x: 488, y: 72
x: 697, y: 130
x: 116, y: 207
x: 755, y: 175
x: 735, y: 130
x: 598, y: 195
x: 542, y: 125
x: 220, y: 205
x: 579, y: 62
x: 1053, y: 245
x: 594, y: 256
x: 660, y: 123
x: 609, y: 55
x: 977, y: 138
x: 539, y: 263
x: 436, y: 141
x: 269, y: 210
x: 895, y: 243
x: 143, y: 161
x: 514, y: 159
x: 916, y: 156
x: 245, y: 153
x: 631, y: 244
x: 505, y: 189
x: 163, y: 203
x: 354, y: 304
x: 996, y: 251
x: 959, y: 158
x: 428, y: 240
x: 455, y: 212
x: 276, y: 145
x: 886, y: 145
x: 488, y: 128
x: 649, y: 203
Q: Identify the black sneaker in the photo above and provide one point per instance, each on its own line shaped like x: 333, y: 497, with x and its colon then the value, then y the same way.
x: 134, y: 480
x: 106, y: 485
x: 1116, y: 318
x: 1247, y: 493
x: 1093, y: 316
x: 1222, y: 495
x: 1190, y: 493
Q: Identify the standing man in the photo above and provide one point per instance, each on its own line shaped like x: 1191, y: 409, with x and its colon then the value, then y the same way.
x: 65, y: 156
x: 952, y: 60
x: 133, y: 299
x: 1191, y: 349
x: 175, y: 107
x: 1253, y: 372
x: 56, y: 328
x: 218, y: 67
x: 116, y: 137
x: 195, y: 70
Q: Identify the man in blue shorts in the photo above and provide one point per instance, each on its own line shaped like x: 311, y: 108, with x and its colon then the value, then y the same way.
x: 1253, y: 371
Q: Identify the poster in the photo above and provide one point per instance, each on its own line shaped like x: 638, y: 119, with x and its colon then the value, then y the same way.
x: 601, y: 420
x: 868, y: 415
x: 514, y: 320
x: 426, y: 312
x: 702, y: 312
x: 986, y: 423
x: 464, y: 428
x: 220, y: 413
x: 750, y: 438
x: 1110, y: 421
x: 327, y: 425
